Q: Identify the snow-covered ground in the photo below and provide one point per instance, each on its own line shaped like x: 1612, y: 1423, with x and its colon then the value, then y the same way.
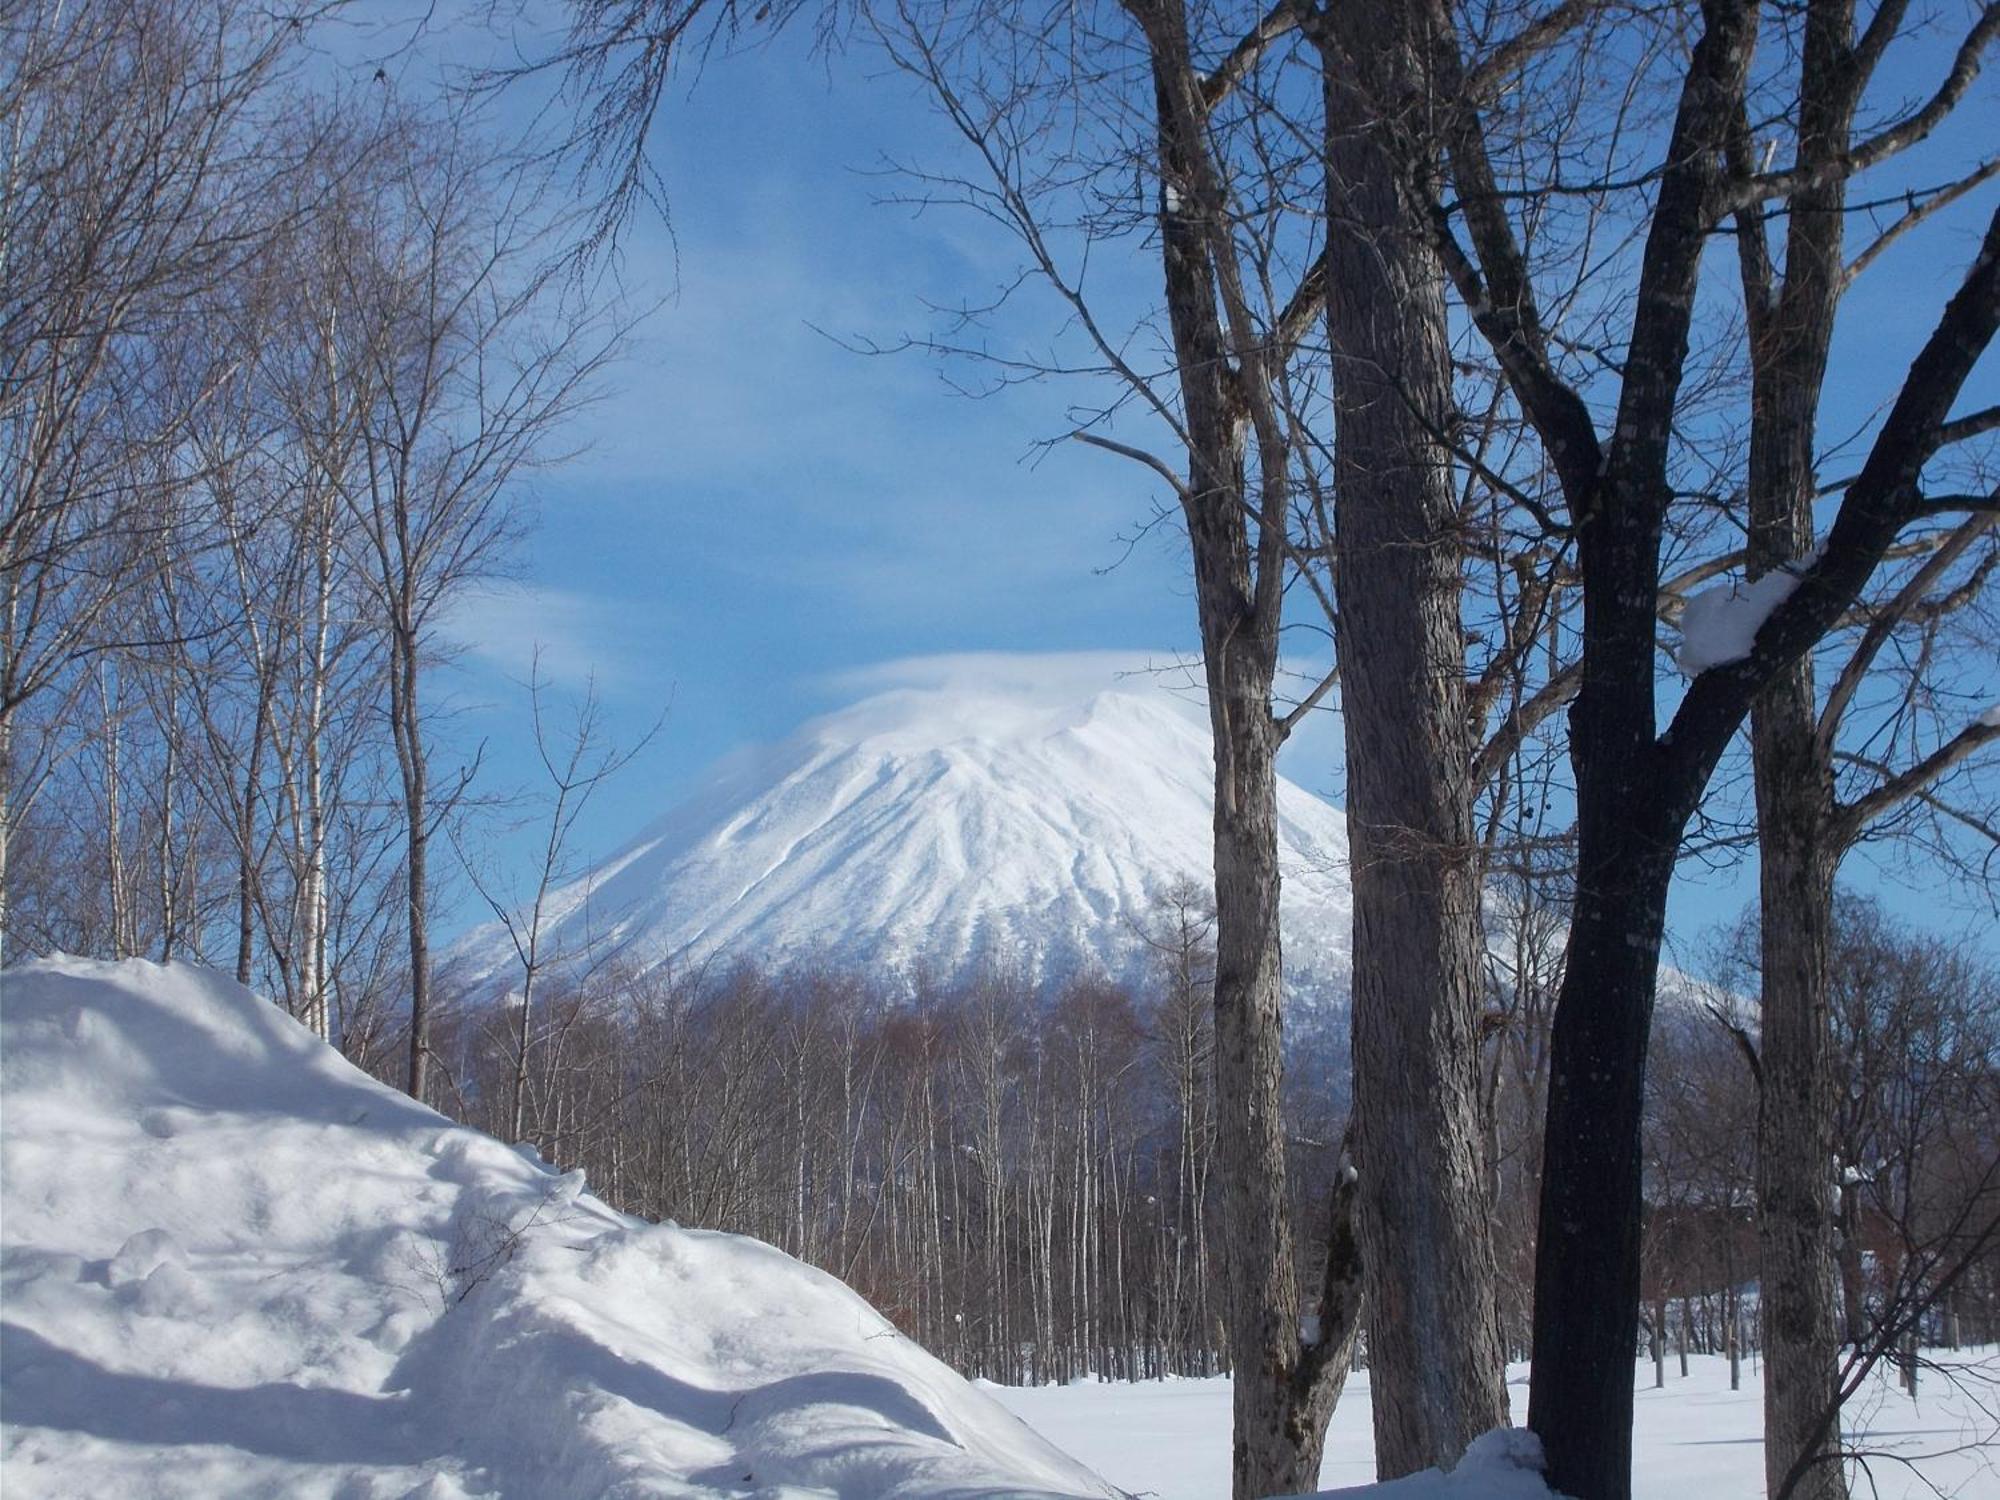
x: 232, y: 1265
x: 1694, y: 1440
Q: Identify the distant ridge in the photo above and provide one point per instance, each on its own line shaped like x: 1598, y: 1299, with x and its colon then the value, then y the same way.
x: 1019, y: 813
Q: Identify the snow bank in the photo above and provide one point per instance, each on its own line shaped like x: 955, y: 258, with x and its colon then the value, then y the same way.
x: 234, y: 1265
x: 1505, y: 1464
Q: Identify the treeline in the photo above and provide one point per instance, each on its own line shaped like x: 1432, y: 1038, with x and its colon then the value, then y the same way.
x: 1024, y: 1181
x: 1915, y: 1030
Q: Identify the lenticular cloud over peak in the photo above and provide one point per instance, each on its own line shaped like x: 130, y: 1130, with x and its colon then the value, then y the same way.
x: 1051, y: 674
x: 963, y: 812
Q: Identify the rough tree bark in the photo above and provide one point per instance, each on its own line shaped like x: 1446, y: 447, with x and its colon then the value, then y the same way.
x: 1287, y: 1377
x: 1628, y: 818
x: 1791, y: 329
x: 1636, y: 793
x: 1433, y: 1338
x: 1804, y: 831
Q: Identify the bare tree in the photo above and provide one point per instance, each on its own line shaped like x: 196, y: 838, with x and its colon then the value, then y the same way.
x: 463, y: 354
x: 1236, y: 306
x: 135, y: 180
x: 575, y: 764
x: 1913, y: 1026
x: 1638, y: 785
x: 1412, y: 740
x: 1804, y: 827
x: 1187, y: 98
x: 1184, y: 1035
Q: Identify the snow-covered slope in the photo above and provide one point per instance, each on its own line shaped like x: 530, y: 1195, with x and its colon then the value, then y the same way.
x: 1029, y: 824
x: 233, y: 1265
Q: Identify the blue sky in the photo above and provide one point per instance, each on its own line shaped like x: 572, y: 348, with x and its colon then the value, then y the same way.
x: 762, y: 511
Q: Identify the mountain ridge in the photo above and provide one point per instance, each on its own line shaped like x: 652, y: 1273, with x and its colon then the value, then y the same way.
x: 940, y: 829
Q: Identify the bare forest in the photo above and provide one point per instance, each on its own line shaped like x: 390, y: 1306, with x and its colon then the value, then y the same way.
x: 1493, y: 351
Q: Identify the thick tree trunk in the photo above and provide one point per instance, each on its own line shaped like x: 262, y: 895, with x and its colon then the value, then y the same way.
x: 1796, y: 1194
x: 1286, y: 1378
x: 1435, y: 1364
x: 1274, y: 1452
x: 1587, y: 1257
x: 1636, y: 788
x: 1791, y: 330
x: 1635, y: 791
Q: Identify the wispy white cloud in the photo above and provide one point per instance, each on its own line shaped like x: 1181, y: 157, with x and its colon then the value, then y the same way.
x: 1313, y: 755
x: 1053, y: 672
x: 510, y: 626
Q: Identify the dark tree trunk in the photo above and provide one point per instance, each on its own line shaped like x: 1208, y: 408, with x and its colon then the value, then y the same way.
x: 1435, y: 1364
x: 1636, y: 789
x: 1587, y: 1256
x: 1635, y: 794
x: 406, y: 724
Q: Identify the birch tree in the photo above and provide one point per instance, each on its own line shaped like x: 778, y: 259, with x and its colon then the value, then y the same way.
x: 130, y: 191
x: 463, y: 358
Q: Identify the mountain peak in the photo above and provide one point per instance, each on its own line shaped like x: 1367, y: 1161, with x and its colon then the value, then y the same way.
x: 967, y: 812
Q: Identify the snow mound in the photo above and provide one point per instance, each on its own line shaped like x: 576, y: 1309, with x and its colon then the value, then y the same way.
x: 1024, y: 816
x: 1504, y: 1464
x: 234, y: 1265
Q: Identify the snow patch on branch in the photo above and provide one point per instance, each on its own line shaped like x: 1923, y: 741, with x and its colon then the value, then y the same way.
x: 1720, y: 625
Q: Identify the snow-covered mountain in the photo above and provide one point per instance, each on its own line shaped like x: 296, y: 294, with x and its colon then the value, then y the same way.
x: 1025, y: 813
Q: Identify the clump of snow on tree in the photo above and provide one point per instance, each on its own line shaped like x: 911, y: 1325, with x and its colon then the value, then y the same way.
x: 1719, y: 625
x: 236, y: 1265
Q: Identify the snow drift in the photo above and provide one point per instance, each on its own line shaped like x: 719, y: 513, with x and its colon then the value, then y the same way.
x: 1024, y: 813
x: 234, y: 1265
